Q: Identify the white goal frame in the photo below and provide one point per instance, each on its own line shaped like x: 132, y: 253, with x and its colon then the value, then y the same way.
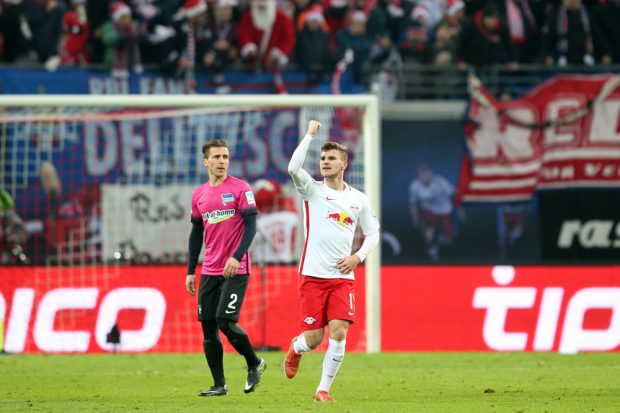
x: 371, y: 145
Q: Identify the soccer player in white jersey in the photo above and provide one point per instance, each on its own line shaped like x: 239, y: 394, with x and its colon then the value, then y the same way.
x: 332, y: 211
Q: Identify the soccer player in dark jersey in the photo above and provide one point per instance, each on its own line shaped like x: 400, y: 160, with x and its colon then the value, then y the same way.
x: 224, y: 219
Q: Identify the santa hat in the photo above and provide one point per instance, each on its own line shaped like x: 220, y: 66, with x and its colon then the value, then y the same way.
x: 338, y: 3
x: 225, y: 3
x: 192, y: 8
x: 358, y: 17
x: 118, y: 10
x: 454, y: 6
x: 315, y: 16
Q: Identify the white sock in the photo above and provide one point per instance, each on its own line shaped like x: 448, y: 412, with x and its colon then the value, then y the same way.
x: 331, y: 363
x: 300, y: 345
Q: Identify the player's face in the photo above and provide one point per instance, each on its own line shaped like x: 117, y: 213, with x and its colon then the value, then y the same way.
x: 332, y: 165
x: 217, y: 162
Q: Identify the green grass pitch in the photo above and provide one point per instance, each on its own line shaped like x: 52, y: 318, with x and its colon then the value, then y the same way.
x: 386, y: 383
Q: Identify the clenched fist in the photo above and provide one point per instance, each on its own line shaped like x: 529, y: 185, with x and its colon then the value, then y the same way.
x: 313, y: 127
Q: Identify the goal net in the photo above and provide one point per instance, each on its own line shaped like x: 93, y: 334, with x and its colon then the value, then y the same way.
x: 102, y: 184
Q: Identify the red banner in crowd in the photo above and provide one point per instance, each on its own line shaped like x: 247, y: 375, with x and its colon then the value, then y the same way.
x: 435, y: 308
x: 564, y: 133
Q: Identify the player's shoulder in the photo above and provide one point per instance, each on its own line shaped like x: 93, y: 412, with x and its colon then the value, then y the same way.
x: 352, y: 191
x: 200, y: 189
x: 235, y: 182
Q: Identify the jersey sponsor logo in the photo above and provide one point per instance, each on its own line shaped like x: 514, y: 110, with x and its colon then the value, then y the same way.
x: 218, y: 215
x: 341, y: 218
x: 249, y: 196
x: 226, y: 198
x: 309, y: 320
x: 330, y: 199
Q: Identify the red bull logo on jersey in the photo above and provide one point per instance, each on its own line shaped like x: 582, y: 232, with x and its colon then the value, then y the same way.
x: 341, y: 218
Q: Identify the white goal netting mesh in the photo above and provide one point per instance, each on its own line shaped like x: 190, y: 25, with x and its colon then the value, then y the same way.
x: 86, y: 191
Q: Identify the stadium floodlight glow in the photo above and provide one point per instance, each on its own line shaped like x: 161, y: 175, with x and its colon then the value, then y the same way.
x: 149, y: 142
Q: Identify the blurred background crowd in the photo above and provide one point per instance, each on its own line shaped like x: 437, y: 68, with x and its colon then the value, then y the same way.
x: 320, y: 37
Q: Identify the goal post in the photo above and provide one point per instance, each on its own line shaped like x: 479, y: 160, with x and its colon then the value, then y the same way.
x: 76, y: 108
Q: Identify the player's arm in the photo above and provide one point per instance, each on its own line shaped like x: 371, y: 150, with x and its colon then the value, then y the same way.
x: 301, y: 178
x: 195, y: 245
x: 370, y: 227
x: 249, y: 222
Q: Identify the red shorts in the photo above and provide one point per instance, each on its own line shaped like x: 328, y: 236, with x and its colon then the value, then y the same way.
x: 325, y: 299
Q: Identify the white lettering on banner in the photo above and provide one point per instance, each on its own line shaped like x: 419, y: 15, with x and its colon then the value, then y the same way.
x: 160, y: 86
x: 17, y: 329
x: 101, y: 147
x: 569, y: 133
x: 108, y: 85
x: 49, y: 340
x: 513, y: 142
x: 548, y: 318
x: 150, y: 300
x: 605, y: 122
x: 497, y: 301
x: 575, y: 338
x: 133, y: 148
x: 283, y: 121
x: 590, y: 234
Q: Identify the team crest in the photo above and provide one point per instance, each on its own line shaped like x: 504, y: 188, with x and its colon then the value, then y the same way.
x: 226, y: 198
x: 309, y: 320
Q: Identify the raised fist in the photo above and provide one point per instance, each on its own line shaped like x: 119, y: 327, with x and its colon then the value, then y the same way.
x: 313, y: 127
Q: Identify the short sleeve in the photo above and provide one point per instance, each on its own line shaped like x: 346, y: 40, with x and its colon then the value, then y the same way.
x: 246, y: 202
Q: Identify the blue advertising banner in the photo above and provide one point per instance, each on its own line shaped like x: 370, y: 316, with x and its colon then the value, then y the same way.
x: 72, y: 80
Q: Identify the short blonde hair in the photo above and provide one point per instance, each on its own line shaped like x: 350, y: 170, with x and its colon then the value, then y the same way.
x: 328, y: 146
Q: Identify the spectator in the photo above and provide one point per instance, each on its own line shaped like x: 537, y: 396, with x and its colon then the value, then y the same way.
x: 484, y: 40
x: 520, y: 20
x: 312, y: 49
x: 335, y: 12
x: 569, y: 37
x: 428, y: 13
x: 16, y: 33
x: 120, y: 36
x: 45, y: 20
x: 415, y: 43
x: 222, y: 49
x: 607, y: 17
x: 445, y: 47
x: 74, y: 49
x: 303, y: 8
x: 267, y: 39
x: 354, y: 46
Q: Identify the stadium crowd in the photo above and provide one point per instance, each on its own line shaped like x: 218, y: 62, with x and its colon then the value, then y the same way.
x: 320, y: 37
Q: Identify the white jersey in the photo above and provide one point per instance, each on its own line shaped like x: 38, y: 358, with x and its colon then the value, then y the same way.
x: 330, y: 220
x: 436, y: 197
x: 275, y: 237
